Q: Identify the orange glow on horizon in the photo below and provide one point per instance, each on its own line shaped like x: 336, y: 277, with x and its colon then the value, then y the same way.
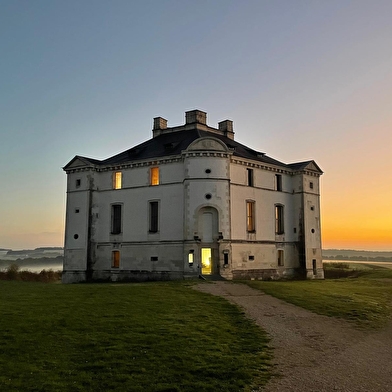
x: 376, y: 235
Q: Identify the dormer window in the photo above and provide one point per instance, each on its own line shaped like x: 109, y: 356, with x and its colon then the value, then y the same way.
x: 169, y: 147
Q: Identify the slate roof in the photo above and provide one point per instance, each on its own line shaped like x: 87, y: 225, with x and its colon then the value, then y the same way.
x: 173, y: 143
x: 305, y: 165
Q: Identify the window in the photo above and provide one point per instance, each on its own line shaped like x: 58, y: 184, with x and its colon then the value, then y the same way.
x: 153, y: 216
x: 117, y: 180
x: 190, y: 257
x: 278, y: 182
x: 250, y: 216
x: 225, y: 258
x: 279, y: 220
x: 116, y: 259
x: 116, y: 218
x: 280, y: 258
x: 251, y: 258
x: 78, y: 182
x: 250, y: 177
x: 154, y: 176
x: 311, y: 185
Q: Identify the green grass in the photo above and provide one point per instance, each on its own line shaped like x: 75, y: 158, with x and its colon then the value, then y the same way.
x: 126, y: 337
x: 365, y: 300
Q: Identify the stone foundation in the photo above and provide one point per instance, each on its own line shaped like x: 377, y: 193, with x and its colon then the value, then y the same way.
x: 267, y: 274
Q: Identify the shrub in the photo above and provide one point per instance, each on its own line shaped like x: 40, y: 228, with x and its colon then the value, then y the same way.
x: 12, y: 272
x: 337, y: 265
x: 46, y: 276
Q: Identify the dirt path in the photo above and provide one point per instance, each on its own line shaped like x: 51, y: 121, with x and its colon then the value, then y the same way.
x: 312, y: 352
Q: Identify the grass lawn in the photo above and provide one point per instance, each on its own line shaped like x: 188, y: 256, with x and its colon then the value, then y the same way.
x: 126, y: 337
x: 365, y: 300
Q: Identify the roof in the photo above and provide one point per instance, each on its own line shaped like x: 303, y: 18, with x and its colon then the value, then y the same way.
x: 174, y: 143
x: 306, y: 165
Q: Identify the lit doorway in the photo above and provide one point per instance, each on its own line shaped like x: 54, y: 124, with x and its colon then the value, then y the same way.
x: 206, y: 261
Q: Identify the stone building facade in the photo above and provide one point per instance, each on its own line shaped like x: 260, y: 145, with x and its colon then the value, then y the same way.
x: 191, y: 201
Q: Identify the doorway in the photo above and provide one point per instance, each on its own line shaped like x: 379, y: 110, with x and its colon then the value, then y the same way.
x: 206, y: 261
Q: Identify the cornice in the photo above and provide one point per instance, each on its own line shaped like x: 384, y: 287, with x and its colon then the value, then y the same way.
x: 79, y: 169
x: 193, y: 154
x: 263, y: 166
x: 198, y: 154
x: 127, y: 165
x: 259, y: 165
x: 308, y: 172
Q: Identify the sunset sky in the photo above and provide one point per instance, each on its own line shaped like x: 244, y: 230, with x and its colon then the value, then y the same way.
x: 301, y: 79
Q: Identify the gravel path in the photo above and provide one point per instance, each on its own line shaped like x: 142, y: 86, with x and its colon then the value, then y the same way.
x: 313, y: 352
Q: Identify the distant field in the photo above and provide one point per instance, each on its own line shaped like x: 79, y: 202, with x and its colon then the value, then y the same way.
x: 357, y: 255
x: 126, y: 337
x: 384, y: 264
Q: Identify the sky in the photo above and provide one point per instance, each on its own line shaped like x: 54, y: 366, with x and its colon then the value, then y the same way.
x: 300, y: 79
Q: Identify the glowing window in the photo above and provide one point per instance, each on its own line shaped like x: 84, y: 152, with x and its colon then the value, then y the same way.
x: 250, y: 216
x: 117, y: 180
x: 115, y: 259
x: 190, y: 257
x: 154, y: 176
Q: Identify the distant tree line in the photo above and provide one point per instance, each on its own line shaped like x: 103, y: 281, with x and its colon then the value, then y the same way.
x: 31, y: 262
x: 14, y: 273
x: 357, y: 258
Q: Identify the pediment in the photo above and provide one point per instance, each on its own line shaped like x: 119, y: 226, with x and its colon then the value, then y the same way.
x: 209, y: 144
x: 312, y: 166
x: 77, y: 163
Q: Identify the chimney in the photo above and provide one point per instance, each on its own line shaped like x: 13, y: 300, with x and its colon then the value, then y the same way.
x: 159, y: 124
x: 226, y: 127
x: 196, y: 116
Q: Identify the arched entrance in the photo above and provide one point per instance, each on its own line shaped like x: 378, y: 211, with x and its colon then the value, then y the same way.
x: 208, y: 233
